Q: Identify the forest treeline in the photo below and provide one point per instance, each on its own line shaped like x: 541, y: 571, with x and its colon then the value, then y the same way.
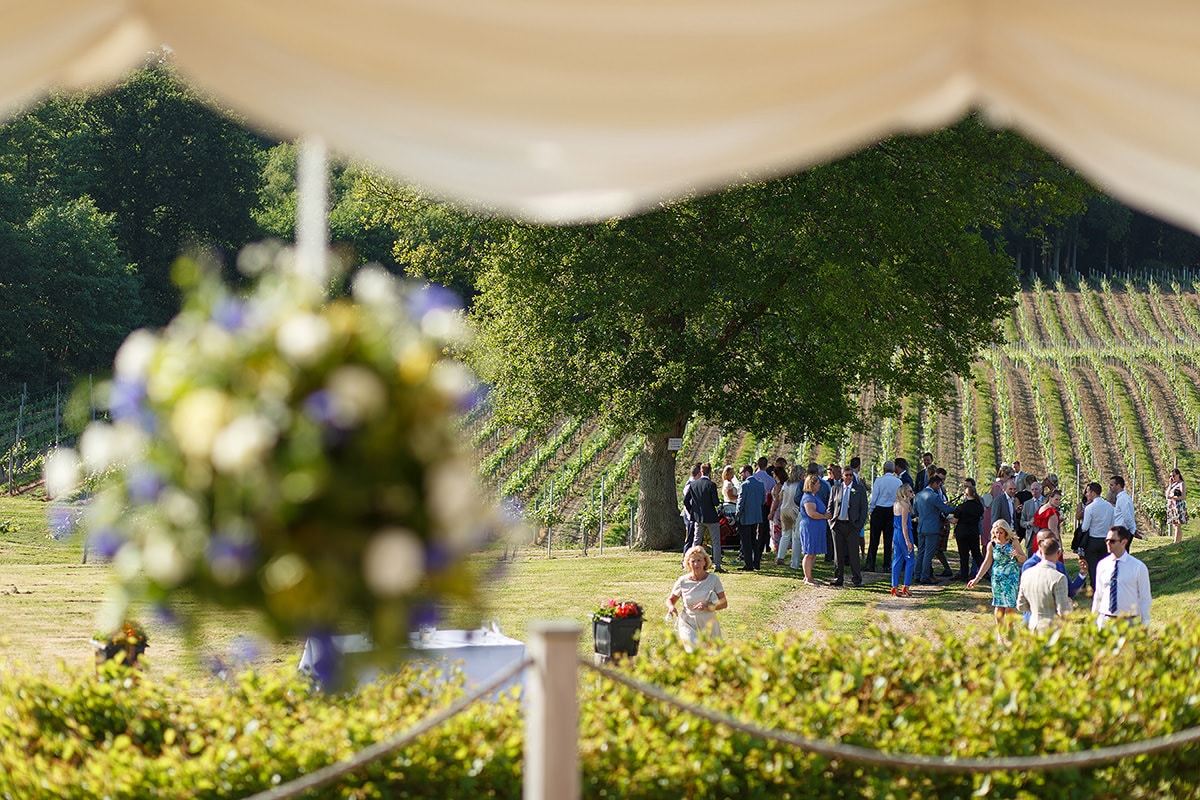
x: 101, y: 192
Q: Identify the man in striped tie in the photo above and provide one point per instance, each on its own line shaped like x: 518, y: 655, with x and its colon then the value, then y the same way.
x: 1122, y: 582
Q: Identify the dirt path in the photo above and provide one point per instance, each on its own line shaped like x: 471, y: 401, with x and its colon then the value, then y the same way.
x: 1037, y: 326
x: 948, y: 444
x: 1024, y: 420
x: 1099, y: 419
x: 807, y: 609
x: 1167, y: 405
x: 1072, y: 302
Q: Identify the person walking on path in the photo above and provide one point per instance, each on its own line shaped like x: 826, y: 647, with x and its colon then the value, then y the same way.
x: 1004, y: 557
x: 703, y: 596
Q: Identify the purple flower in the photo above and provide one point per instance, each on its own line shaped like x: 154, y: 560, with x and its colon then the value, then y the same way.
x: 230, y: 314
x: 437, y: 557
x: 165, y: 614
x: 432, y: 297
x: 143, y: 483
x: 473, y: 399
x: 321, y: 407
x: 230, y: 556
x: 63, y: 519
x: 127, y: 403
x: 244, y: 650
x: 424, y: 614
x: 326, y: 660
x: 512, y: 511
x: 105, y: 541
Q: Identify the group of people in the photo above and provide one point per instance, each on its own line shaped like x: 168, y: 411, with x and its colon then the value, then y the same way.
x: 799, y: 515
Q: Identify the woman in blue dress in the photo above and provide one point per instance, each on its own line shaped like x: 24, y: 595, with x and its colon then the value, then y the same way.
x: 814, y: 521
x: 903, y: 560
x: 1005, y: 557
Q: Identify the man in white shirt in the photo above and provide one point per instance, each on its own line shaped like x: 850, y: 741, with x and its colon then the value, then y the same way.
x: 1122, y: 505
x: 1044, y: 592
x: 883, y: 497
x: 1122, y: 582
x: 1096, y: 518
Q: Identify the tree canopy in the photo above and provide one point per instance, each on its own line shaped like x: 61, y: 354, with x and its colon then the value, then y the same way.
x: 771, y: 306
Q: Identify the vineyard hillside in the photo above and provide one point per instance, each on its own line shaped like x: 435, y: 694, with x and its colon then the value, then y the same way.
x: 1100, y: 377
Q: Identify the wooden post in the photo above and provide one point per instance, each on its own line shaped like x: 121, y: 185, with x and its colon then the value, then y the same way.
x: 552, y: 713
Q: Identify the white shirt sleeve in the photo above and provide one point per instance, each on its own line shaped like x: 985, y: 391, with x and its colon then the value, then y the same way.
x: 1143, y: 590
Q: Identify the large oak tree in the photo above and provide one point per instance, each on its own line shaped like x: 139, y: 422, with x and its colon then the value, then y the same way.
x: 770, y: 306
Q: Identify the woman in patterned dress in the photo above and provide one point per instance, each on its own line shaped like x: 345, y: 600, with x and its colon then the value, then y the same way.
x: 1004, y: 557
x: 1176, y: 505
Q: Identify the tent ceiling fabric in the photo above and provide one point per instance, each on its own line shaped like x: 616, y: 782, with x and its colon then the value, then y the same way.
x: 565, y: 110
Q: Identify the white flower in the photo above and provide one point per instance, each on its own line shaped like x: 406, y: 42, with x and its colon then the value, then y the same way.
x: 197, y: 419
x: 358, y: 395
x: 134, y: 356
x: 393, y: 562
x: 374, y: 285
x: 453, y: 380
x: 303, y: 338
x: 446, y: 324
x: 162, y: 560
x: 103, y: 445
x: 62, y: 472
x: 240, y: 445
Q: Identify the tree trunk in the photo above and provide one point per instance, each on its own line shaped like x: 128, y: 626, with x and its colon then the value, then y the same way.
x: 658, y: 525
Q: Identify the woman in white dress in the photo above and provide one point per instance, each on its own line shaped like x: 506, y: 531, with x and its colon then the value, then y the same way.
x: 703, y: 596
x: 789, y: 519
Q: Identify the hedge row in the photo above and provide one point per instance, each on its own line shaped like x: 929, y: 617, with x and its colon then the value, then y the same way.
x: 121, y: 736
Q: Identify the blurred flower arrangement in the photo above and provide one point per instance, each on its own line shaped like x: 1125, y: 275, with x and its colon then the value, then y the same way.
x: 283, y: 451
x: 129, y: 634
x: 125, y: 643
x: 618, y: 609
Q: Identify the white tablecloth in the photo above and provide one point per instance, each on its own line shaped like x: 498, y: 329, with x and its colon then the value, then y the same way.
x: 480, y: 654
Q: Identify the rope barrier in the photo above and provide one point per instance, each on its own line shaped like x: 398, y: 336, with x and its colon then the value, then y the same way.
x: 866, y: 755
x: 379, y: 750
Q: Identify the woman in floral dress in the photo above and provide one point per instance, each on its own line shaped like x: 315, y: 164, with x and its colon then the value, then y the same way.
x: 1176, y: 505
x: 1004, y: 557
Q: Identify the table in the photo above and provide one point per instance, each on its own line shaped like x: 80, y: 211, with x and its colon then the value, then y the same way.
x: 479, y: 654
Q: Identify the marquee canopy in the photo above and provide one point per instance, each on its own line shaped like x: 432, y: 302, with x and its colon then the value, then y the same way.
x: 580, y: 109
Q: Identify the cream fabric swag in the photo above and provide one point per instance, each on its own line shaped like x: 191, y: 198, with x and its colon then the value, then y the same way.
x: 580, y: 109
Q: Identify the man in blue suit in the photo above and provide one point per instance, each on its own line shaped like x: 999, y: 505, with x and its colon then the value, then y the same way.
x: 928, y: 507
x: 751, y: 499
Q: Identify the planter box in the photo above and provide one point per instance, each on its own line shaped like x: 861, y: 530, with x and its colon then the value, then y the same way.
x: 613, y: 637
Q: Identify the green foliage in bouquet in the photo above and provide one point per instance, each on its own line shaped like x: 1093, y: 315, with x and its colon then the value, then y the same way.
x: 280, y: 450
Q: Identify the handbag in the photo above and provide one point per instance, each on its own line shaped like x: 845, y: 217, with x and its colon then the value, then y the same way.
x: 1079, y: 540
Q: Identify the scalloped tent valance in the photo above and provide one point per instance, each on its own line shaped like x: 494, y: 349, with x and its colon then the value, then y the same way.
x: 580, y: 109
